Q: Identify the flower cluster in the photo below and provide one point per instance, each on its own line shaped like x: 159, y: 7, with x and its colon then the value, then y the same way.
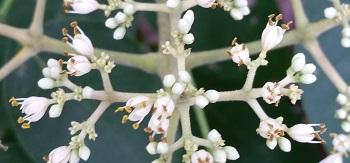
x: 343, y: 112
x: 237, y: 8
x: 184, y: 26
x: 341, y: 148
x: 273, y: 130
x: 340, y: 13
x: 239, y: 53
x: 122, y: 20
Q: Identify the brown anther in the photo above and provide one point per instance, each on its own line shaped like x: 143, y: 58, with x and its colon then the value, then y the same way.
x: 135, y: 126
x: 125, y: 119
x: 270, y: 19
x: 215, y: 5
x: 234, y: 41
x: 61, y: 62
x: 64, y: 31
x: 160, y: 130
x: 151, y: 138
x: 74, y: 24
x: 148, y: 130
x: 128, y: 109
x: 46, y: 158
x: 65, y: 53
x: 279, y: 17
x: 67, y: 4
x: 20, y: 120
x: 119, y: 109
x: 286, y: 26
x: 323, y: 128
x: 65, y: 39
x: 25, y: 125
x: 13, y: 101
x: 76, y: 31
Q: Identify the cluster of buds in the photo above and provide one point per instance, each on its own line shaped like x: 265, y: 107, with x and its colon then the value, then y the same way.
x: 84, y: 126
x: 300, y: 71
x: 157, y: 147
x: 341, y: 148
x: 274, y: 131
x: 343, y: 112
x: 221, y: 153
x: 237, y: 8
x: 65, y: 154
x: 340, y: 13
x: 184, y: 26
x: 121, y: 21
x: 53, y: 75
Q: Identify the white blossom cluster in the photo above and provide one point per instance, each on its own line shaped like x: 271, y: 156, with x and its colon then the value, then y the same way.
x: 237, y: 8
x: 341, y: 148
x: 343, y: 112
x: 340, y: 12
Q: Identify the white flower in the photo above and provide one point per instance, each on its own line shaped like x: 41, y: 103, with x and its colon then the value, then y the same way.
x: 284, y: 144
x: 273, y: 130
x: 333, y: 158
x: 341, y: 143
x: 84, y: 152
x: 294, y: 93
x: 141, y: 105
x: 184, y: 76
x: 78, y: 65
x: 46, y: 83
x: 152, y: 148
x: 308, y: 78
x: 129, y: 9
x: 346, y: 32
x: 345, y: 42
x: 188, y: 38
x: 87, y: 92
x: 55, y: 111
x: 169, y: 80
x: 59, y: 155
x: 119, y: 33
x: 201, y: 101
x: 273, y: 34
x: 271, y: 93
x: 305, y: 133
x: 219, y: 156
x: 236, y: 14
x: 202, y: 156
x: 342, y: 99
x: 309, y: 68
x: 80, y: 42
x: 214, y: 136
x: 206, y: 3
x: 162, y: 148
x: 33, y: 107
x: 330, y: 12
x: 159, y: 122
x: 81, y: 6
x: 231, y: 153
x: 172, y: 3
x: 298, y: 62
x: 239, y: 53
x: 178, y: 88
x: 341, y: 113
x: 212, y: 95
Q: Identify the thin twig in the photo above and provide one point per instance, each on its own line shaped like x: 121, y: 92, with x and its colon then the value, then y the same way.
x: 37, y: 25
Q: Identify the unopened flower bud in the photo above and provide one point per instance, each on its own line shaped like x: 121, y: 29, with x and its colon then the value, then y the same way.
x: 345, y: 126
x: 52, y: 63
x: 152, y: 148
x: 78, y: 65
x: 172, y: 3
x: 129, y: 9
x: 241, y: 3
x: 169, y: 80
x: 46, y: 83
x: 330, y: 12
x: 84, y: 152
x: 214, y: 136
x: 201, y: 101
x: 309, y: 68
x: 231, y: 153
x: 346, y: 32
x: 183, y: 26
x: 55, y: 111
x: 212, y: 95
x: 184, y: 76
x: 345, y: 42
x: 271, y: 144
x: 308, y: 78
x: 284, y: 144
x: 188, y: 38
x: 120, y: 17
x: 236, y: 14
x: 162, y: 148
x: 178, y: 88
x: 342, y: 99
x: 119, y: 33
x: 341, y: 113
x: 87, y: 92
x: 219, y: 156
x: 111, y: 23
x: 46, y: 72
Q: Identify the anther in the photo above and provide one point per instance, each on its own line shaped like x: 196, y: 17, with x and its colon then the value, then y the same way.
x: 125, y: 119
x: 234, y: 41
x: 25, y: 125
x: 119, y: 109
x: 74, y: 24
x: 20, y: 120
x: 64, y: 31
x: 135, y: 126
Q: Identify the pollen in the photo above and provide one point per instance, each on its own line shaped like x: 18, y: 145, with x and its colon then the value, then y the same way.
x: 25, y: 125
x: 13, y: 101
x: 125, y: 119
x: 20, y: 120
x: 135, y: 126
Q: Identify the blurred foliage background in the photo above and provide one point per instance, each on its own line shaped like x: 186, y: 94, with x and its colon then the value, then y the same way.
x: 212, y: 29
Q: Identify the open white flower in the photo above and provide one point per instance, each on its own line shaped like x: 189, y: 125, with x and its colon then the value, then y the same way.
x: 33, y: 107
x: 59, y: 155
x: 305, y: 133
x: 273, y: 34
x: 81, y: 6
x: 271, y: 93
x: 163, y: 109
x: 80, y: 42
x: 141, y: 106
x: 273, y: 130
x: 78, y: 65
x: 202, y: 156
x: 206, y: 3
x: 239, y: 53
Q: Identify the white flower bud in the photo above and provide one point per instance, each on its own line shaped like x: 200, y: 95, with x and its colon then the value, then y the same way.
x: 55, y: 72
x: 201, y: 101
x: 214, y: 136
x: 162, y: 148
x: 245, y: 10
x: 152, y: 148
x: 298, y: 56
x: 46, y: 83
x: 189, y: 17
x: 345, y: 42
x: 82, y: 7
x: 271, y: 143
x: 231, y: 153
x: 84, y: 152
x: 120, y: 17
x: 169, y: 80
x: 78, y: 65
x: 219, y: 156
x: 178, y: 88
x: 212, y: 95
x: 345, y: 126
x: 59, y: 154
x: 241, y: 3
x: 184, y: 76
x: 52, y: 63
x: 172, y: 3
x: 111, y: 23
x: 298, y: 64
x: 341, y: 113
x: 346, y: 32
x: 188, y: 38
x: 87, y: 92
x: 236, y: 14
x: 330, y: 12
x: 308, y: 78
x: 309, y: 68
x: 284, y: 144
x: 46, y: 72
x: 119, y: 33
x: 206, y: 3
x: 183, y: 26
x: 129, y: 9
x: 74, y: 157
x: 55, y: 111
x: 342, y: 99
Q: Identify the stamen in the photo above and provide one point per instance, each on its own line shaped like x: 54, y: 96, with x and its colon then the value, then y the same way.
x: 148, y: 130
x: 74, y: 24
x: 234, y: 41
x: 125, y: 119
x: 286, y: 26
x: 20, y: 120
x: 76, y: 31
x: 135, y: 126
x: 13, y: 101
x: 128, y: 109
x: 119, y: 109
x: 279, y: 17
x: 26, y: 125
x: 46, y: 158
x: 64, y: 31
x: 270, y: 19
